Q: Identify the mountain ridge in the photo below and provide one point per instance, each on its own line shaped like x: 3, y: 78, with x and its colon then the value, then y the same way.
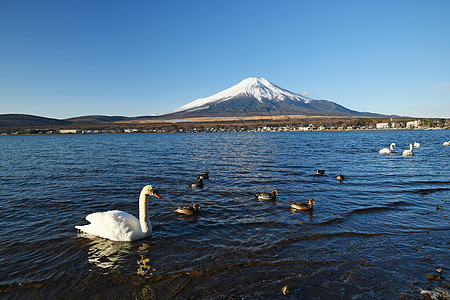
x: 256, y: 87
x: 258, y: 96
x: 20, y: 120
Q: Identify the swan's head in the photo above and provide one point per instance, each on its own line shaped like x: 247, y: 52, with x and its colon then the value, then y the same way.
x: 274, y: 192
x: 311, y: 201
x: 149, y: 190
x: 196, y: 207
x: 393, y: 145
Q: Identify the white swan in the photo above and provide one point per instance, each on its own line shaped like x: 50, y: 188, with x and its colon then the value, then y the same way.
x: 416, y: 145
x: 446, y: 143
x: 408, y: 152
x: 118, y: 225
x: 388, y: 150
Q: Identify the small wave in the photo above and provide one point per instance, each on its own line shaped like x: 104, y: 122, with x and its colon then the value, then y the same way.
x: 397, y: 203
x: 339, y: 234
x: 368, y: 210
x: 310, y: 237
x: 430, y: 182
x: 332, y: 221
x: 430, y: 191
x: 377, y: 208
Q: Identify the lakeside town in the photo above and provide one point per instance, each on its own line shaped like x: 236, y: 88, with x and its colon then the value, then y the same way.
x: 192, y: 127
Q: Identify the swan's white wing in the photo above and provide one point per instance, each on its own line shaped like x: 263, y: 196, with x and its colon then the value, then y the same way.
x: 385, y: 150
x: 408, y: 153
x: 114, y: 225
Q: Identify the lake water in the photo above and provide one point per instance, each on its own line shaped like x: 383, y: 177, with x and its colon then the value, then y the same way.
x: 375, y: 235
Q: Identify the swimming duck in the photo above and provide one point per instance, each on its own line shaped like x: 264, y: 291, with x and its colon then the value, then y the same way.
x: 303, y: 206
x: 320, y: 172
x: 340, y: 177
x: 203, y: 175
x: 188, y: 210
x: 198, y: 183
x: 267, y: 196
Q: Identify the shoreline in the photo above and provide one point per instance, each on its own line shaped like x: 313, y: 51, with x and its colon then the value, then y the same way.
x: 282, y: 123
x: 144, y: 131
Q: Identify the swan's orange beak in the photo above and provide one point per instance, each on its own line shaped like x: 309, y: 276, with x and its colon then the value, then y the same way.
x: 155, y: 193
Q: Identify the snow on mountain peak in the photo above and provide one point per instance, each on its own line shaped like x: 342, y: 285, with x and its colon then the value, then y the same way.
x: 256, y: 87
x: 261, y: 88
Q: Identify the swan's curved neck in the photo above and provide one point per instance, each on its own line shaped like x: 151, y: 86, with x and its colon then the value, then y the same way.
x: 392, y: 147
x: 143, y: 211
x: 410, y: 147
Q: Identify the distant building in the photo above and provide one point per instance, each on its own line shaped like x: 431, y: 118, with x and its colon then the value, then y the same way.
x: 382, y: 125
x: 412, y: 124
x: 130, y: 130
x: 65, y: 131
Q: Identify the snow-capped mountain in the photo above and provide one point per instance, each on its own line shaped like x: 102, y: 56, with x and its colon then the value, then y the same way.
x: 253, y: 87
x: 257, y: 96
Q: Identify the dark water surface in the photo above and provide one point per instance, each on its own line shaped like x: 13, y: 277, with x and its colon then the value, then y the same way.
x: 377, y: 234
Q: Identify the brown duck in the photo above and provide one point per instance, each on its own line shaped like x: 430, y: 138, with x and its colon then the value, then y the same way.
x: 303, y: 206
x: 188, y: 210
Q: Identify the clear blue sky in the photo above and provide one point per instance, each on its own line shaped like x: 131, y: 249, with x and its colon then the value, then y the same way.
x: 70, y: 58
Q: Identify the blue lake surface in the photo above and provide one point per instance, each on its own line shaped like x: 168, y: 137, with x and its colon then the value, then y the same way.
x: 374, y: 235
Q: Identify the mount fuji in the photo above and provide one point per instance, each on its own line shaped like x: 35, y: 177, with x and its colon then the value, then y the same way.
x: 256, y: 96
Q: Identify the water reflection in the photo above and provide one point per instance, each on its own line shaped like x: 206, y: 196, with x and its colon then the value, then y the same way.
x: 110, y: 255
x: 271, y: 202
x: 144, y: 267
x: 188, y: 218
x: 106, y: 254
x: 302, y: 212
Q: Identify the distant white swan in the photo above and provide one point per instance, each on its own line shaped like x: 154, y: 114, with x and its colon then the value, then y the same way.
x: 446, y: 143
x: 408, y: 152
x: 388, y: 150
x: 118, y: 225
x: 416, y: 145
